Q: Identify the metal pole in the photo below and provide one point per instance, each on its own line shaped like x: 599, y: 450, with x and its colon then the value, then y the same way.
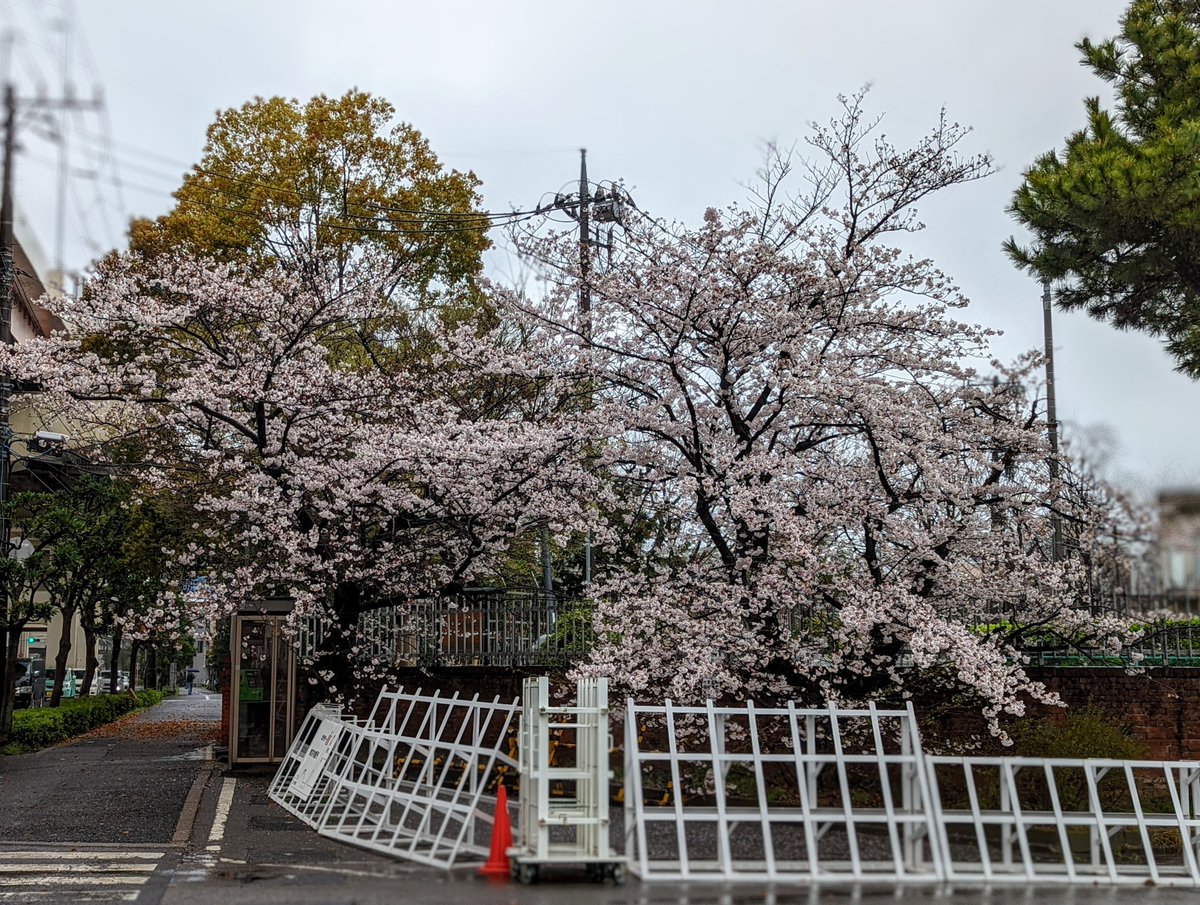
x: 1051, y: 418
x: 585, y: 309
x: 64, y: 173
x: 7, y: 282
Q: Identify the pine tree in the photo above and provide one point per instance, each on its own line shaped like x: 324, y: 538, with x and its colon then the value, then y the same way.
x: 1115, y: 215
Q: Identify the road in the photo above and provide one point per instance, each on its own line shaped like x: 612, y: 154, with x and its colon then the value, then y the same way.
x: 135, y: 813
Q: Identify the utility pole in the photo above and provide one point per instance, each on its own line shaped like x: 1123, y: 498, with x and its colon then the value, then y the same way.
x: 60, y: 222
x: 1051, y: 419
x: 8, y: 275
x: 585, y: 238
x: 8, y: 280
x: 585, y: 309
x: 610, y: 207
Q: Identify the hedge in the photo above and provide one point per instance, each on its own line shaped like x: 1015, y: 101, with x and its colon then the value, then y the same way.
x: 51, y: 725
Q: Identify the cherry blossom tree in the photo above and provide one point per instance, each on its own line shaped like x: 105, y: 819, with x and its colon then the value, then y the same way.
x: 861, y: 494
x: 323, y: 461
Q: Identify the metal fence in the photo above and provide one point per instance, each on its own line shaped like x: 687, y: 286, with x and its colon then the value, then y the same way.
x: 530, y: 628
x: 1159, y: 643
x: 413, y: 780
x: 526, y: 628
x: 756, y: 794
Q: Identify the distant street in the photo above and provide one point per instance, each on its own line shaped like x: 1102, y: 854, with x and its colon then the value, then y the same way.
x: 135, y: 813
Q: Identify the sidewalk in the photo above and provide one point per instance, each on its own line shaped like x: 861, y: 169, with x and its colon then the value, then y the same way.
x: 123, y: 782
x: 98, y: 818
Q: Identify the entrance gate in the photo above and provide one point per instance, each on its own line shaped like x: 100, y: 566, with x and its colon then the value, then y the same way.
x: 263, y: 684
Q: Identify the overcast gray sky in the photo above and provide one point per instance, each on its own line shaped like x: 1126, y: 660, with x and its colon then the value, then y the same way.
x: 673, y: 97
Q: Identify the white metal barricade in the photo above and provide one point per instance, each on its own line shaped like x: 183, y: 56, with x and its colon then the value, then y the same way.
x: 302, y: 780
x: 734, y: 793
x: 776, y: 793
x: 1040, y: 820
x: 415, y: 779
x: 564, y: 802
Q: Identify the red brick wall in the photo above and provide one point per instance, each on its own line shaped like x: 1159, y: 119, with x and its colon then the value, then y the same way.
x: 1161, y: 707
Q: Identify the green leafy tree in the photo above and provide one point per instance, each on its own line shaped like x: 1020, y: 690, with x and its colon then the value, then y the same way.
x: 1115, y: 215
x: 24, y: 574
x: 280, y: 181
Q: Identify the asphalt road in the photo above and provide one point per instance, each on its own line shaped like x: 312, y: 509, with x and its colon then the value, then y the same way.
x: 134, y: 813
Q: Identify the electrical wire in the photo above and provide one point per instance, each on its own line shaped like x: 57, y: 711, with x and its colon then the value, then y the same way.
x: 465, y: 217
x: 363, y: 229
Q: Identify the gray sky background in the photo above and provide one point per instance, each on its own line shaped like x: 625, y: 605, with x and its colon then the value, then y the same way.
x: 673, y: 97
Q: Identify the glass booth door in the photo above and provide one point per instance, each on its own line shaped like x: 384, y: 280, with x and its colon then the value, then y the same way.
x: 263, y: 689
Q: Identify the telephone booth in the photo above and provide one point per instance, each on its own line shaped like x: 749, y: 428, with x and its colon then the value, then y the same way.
x: 262, y: 685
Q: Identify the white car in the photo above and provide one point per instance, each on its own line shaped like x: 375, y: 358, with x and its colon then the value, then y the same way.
x: 100, y: 683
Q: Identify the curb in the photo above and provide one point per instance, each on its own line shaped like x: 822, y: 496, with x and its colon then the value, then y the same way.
x: 191, y: 804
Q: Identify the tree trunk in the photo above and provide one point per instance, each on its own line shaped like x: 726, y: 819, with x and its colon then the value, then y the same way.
x: 335, y: 655
x: 8, y: 677
x: 152, y: 666
x: 134, y: 651
x: 64, y: 651
x: 91, y: 662
x: 113, y: 661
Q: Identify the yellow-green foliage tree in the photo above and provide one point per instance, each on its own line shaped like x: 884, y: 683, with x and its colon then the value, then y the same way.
x: 280, y: 180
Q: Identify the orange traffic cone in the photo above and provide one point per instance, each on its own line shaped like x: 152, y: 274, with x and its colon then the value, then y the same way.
x: 497, y: 863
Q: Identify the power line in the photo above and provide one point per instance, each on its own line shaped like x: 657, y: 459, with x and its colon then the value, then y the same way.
x: 248, y: 180
x: 425, y: 231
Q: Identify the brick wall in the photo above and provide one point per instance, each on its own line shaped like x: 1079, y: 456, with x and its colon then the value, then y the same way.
x: 1161, y: 707
x: 486, y: 681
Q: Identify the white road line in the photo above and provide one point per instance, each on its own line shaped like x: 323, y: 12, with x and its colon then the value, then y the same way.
x: 45, y: 879
x: 25, y: 896
x: 75, y: 868
x: 224, y: 803
x: 77, y: 856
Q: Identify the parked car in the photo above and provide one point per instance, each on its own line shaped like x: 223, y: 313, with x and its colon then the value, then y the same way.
x: 101, y: 683
x: 74, y: 682
x: 31, y: 683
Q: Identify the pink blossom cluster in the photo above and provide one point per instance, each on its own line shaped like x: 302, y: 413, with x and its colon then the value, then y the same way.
x: 858, y: 497
x: 337, y: 448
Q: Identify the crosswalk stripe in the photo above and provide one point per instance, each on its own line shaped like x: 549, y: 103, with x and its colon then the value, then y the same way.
x: 148, y: 867
x: 78, y: 856
x: 87, y: 875
x: 68, y: 880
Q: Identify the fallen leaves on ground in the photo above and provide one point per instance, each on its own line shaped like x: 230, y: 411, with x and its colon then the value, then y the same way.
x: 132, y: 727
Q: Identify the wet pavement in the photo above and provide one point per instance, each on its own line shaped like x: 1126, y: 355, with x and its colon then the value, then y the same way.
x: 135, y: 812
x: 125, y: 782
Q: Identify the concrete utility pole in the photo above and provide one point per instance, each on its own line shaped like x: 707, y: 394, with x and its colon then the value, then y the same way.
x: 585, y: 308
x: 8, y: 275
x: 8, y: 278
x: 1051, y: 417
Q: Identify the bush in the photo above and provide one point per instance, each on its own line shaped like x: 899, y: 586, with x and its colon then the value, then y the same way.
x: 1087, y: 732
x: 49, y: 726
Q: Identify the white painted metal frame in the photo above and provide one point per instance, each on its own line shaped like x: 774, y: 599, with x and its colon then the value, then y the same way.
x: 1150, y: 834
x: 563, y: 754
x: 760, y: 839
x: 318, y: 750
x: 414, y: 779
